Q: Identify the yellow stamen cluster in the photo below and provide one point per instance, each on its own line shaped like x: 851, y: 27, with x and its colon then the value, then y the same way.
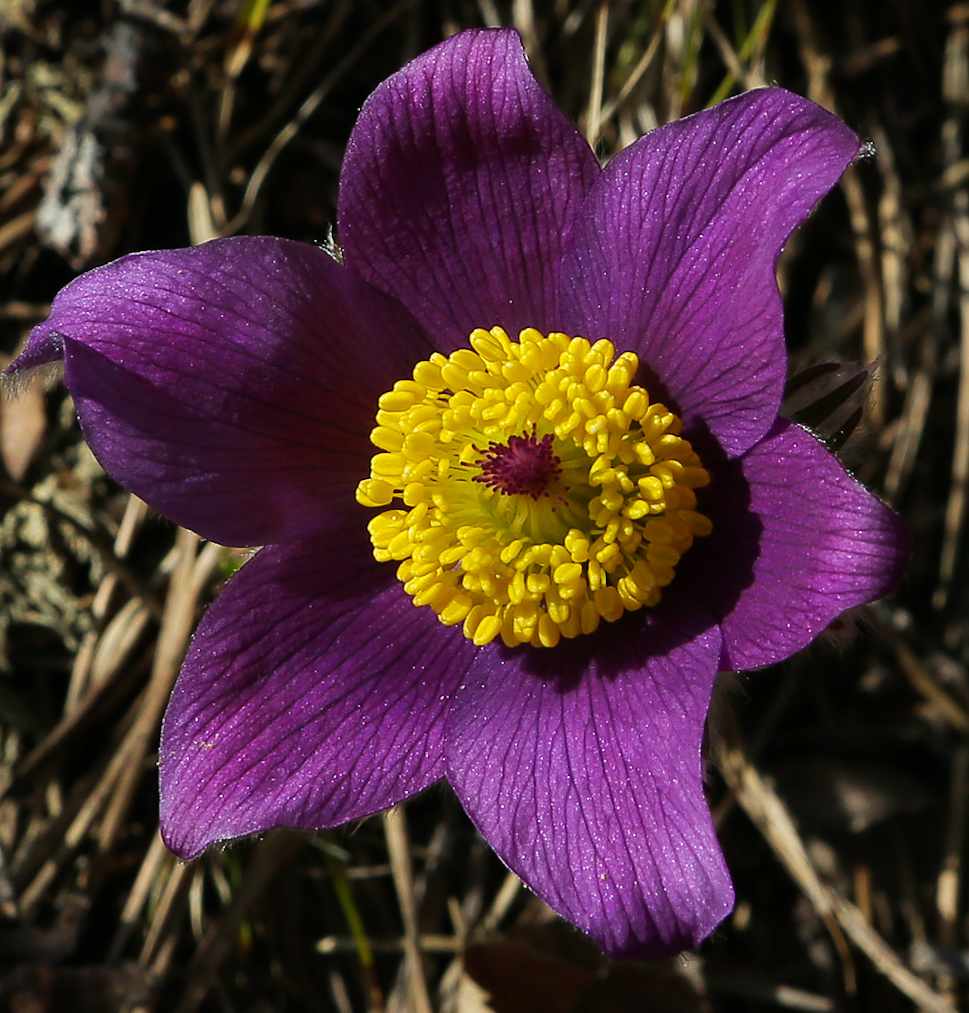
x: 604, y: 536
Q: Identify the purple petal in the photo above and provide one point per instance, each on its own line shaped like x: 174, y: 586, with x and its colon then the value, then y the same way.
x: 44, y: 348
x: 232, y: 385
x: 589, y: 786
x: 459, y: 184
x: 673, y: 255
x: 313, y: 694
x: 796, y: 542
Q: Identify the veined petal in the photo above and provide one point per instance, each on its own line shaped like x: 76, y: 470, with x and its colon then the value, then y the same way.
x: 589, y: 784
x: 673, y: 255
x: 313, y: 694
x: 796, y: 542
x: 460, y: 181
x: 231, y: 385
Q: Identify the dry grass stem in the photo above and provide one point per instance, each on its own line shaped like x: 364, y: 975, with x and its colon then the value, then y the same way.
x: 769, y: 814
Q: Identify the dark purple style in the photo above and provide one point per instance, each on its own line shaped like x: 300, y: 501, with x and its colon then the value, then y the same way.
x: 234, y: 385
x: 525, y: 466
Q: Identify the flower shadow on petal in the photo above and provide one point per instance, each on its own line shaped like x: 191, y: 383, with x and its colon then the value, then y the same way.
x: 726, y: 501
x: 719, y: 568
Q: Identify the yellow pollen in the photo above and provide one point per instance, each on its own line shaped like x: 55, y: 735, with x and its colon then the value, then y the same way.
x: 534, y: 490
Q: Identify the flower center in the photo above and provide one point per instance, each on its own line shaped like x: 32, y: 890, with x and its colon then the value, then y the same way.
x: 526, y: 466
x: 539, y: 490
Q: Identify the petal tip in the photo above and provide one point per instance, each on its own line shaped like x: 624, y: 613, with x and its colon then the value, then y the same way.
x: 671, y: 940
x: 182, y: 847
x: 42, y: 357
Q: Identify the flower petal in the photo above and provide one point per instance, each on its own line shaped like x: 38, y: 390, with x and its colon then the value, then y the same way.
x: 460, y: 180
x: 673, y: 255
x: 794, y: 546
x: 589, y: 784
x: 313, y: 694
x: 232, y: 385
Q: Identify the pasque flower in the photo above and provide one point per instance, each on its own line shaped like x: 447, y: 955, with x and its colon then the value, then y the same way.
x: 517, y: 470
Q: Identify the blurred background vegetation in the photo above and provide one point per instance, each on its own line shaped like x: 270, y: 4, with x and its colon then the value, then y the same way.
x: 840, y: 788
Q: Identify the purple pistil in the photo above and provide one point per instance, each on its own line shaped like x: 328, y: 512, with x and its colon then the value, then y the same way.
x: 525, y: 466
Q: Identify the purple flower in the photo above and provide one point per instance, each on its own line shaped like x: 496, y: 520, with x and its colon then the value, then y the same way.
x: 533, y: 489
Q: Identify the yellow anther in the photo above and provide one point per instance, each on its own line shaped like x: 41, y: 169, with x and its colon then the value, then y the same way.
x: 548, y: 631
x: 509, y: 552
x: 578, y: 545
x: 567, y: 572
x: 545, y: 493
x: 636, y: 403
x: 517, y: 589
x: 428, y: 374
x: 558, y: 610
x: 699, y: 524
x: 387, y: 439
x: 608, y: 603
x: 595, y: 377
x: 396, y: 401
x: 456, y: 610
x: 452, y: 555
x: 651, y: 488
x: 487, y: 630
x: 558, y: 556
x: 375, y: 492
x: 660, y: 531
